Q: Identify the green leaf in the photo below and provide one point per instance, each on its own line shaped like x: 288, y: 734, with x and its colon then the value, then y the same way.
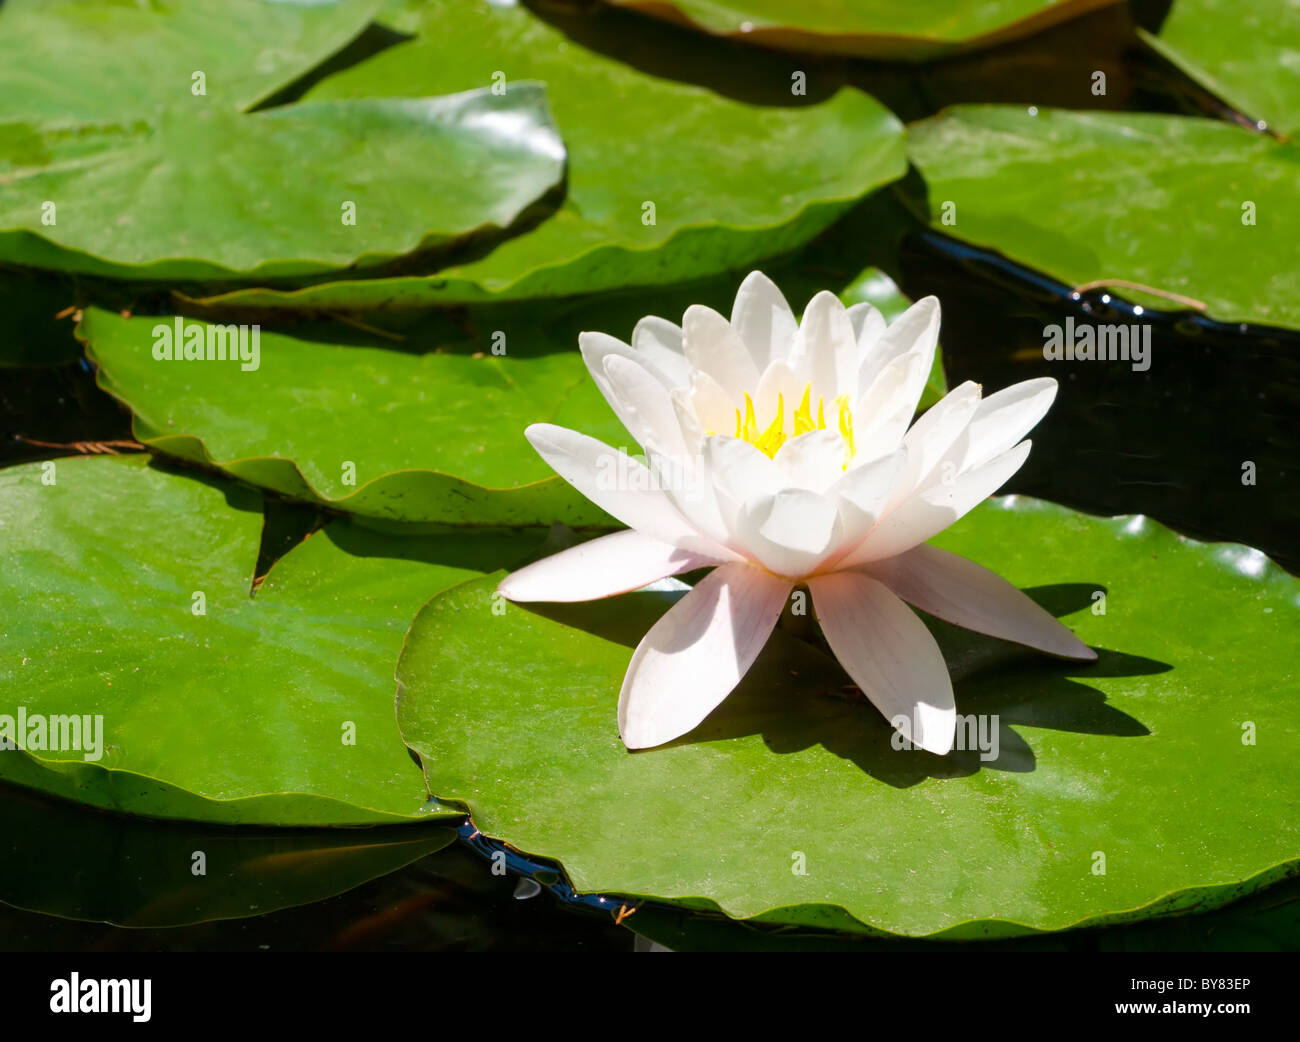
x: 730, y: 183
x: 1139, y: 756
x: 144, y: 874
x: 1247, y: 54
x: 382, y: 433
x: 868, y: 28
x: 82, y: 60
x: 1150, y: 199
x: 243, y: 713
x: 207, y: 192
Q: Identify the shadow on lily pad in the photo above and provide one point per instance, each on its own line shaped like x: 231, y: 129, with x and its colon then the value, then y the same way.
x: 796, y: 695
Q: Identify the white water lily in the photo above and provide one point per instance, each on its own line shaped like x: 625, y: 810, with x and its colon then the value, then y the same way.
x: 791, y: 462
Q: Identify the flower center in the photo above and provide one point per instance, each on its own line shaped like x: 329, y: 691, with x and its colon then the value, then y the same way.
x: 770, y: 439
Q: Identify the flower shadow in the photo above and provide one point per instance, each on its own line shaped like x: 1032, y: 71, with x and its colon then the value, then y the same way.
x: 797, y: 696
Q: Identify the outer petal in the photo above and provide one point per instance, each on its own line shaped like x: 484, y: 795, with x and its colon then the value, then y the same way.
x: 1002, y: 419
x: 695, y: 655
x: 764, y: 320
x: 619, y: 485
x: 658, y: 343
x: 645, y: 406
x: 603, y: 567
x: 933, y: 435
x: 889, y: 653
x: 929, y: 512
x: 713, y: 347
x: 969, y: 595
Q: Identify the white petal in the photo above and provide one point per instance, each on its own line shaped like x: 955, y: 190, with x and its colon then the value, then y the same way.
x: 695, y: 655
x: 1004, y: 418
x: 603, y: 567
x: 620, y: 485
x: 813, y: 460
x: 826, y: 349
x: 778, y: 388
x: 740, y: 470
x: 788, y: 532
x: 868, y: 325
x: 658, y: 343
x: 968, y: 595
x: 763, y: 319
x: 711, y: 406
x: 890, y: 655
x: 861, y: 495
x: 882, y: 415
x: 933, y: 435
x: 916, y: 329
x: 927, y: 513
x: 713, y: 347
x: 645, y: 406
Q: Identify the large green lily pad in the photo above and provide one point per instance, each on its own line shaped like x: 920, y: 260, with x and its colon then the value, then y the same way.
x: 1247, y: 54
x: 245, y: 713
x: 731, y: 183
x: 514, y: 714
x: 89, y: 61
x: 871, y: 29
x: 146, y: 873
x: 1162, y: 201
x: 209, y: 193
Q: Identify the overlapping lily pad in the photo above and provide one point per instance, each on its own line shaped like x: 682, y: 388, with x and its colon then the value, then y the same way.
x: 267, y: 709
x: 208, y: 193
x: 1145, y: 783
x: 64, y: 60
x: 730, y: 183
x: 871, y: 29
x: 1194, y: 207
x: 157, y: 874
x: 379, y: 432
x: 1247, y: 54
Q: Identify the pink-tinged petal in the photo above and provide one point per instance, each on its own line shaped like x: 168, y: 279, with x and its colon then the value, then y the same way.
x: 890, y: 655
x: 695, y: 655
x: 763, y: 319
x: 658, y: 343
x: 1002, y: 419
x: 814, y: 460
x: 933, y: 435
x: 916, y: 329
x: 645, y: 407
x: 789, y: 532
x: 928, y: 512
x: 713, y: 347
x: 603, y: 567
x: 621, y: 486
x: 968, y: 595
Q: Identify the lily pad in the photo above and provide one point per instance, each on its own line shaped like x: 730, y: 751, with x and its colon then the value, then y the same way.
x: 730, y: 183
x: 1247, y: 54
x: 266, y: 709
x: 1188, y: 206
x: 146, y: 873
x: 787, y: 805
x: 88, y: 61
x: 206, y: 192
x: 872, y: 29
x: 377, y: 432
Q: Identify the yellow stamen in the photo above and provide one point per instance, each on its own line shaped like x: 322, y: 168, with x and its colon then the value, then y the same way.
x: 774, y: 436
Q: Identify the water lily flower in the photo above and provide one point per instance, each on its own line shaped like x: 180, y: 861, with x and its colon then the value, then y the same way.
x: 783, y: 454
